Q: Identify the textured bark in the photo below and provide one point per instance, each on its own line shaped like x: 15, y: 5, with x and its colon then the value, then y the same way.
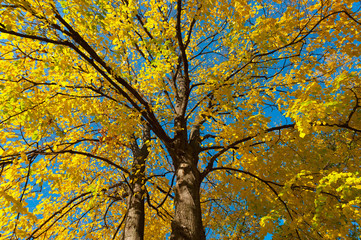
x: 134, y: 221
x: 187, y: 222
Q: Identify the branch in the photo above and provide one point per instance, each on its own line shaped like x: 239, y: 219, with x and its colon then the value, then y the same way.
x: 58, y: 212
x: 234, y: 144
x: 295, y: 40
x: 88, y: 155
x: 147, y: 112
x: 182, y: 49
x: 33, y: 37
x: 265, y: 182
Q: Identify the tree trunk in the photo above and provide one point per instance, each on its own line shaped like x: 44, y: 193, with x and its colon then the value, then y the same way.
x: 187, y: 222
x: 134, y: 221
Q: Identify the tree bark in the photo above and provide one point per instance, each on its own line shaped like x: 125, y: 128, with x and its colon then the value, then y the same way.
x: 134, y: 221
x: 187, y: 222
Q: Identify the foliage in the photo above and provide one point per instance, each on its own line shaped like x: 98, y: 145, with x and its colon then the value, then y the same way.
x: 241, y: 118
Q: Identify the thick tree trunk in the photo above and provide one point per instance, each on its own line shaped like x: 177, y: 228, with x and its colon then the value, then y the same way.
x: 187, y: 222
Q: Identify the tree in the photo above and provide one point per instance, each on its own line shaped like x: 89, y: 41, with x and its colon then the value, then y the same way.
x: 251, y: 108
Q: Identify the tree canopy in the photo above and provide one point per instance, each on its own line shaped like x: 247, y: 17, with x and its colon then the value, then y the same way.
x: 180, y: 119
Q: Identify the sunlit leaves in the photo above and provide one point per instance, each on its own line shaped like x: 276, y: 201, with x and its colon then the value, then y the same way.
x: 274, y: 90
